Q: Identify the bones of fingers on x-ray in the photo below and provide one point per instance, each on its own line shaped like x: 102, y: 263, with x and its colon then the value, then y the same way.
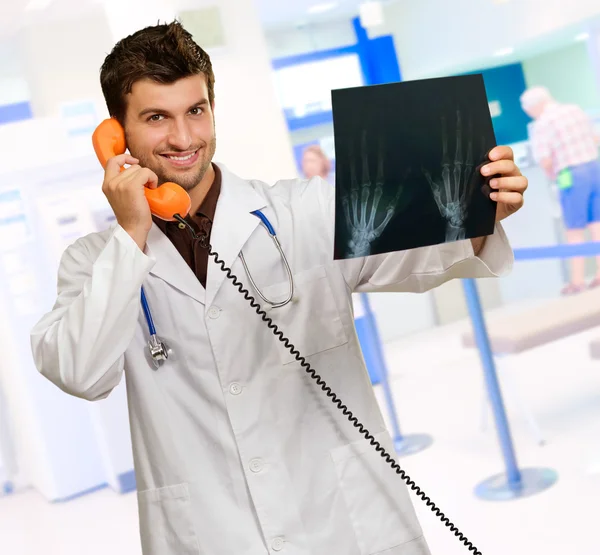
x: 453, y: 189
x: 363, y: 222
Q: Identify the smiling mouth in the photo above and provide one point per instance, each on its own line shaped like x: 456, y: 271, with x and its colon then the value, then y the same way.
x: 182, y: 160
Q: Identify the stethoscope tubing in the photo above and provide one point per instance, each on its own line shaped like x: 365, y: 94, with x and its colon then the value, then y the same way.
x: 271, y: 230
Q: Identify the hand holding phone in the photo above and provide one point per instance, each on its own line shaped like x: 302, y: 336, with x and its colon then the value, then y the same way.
x: 133, y: 193
x: 125, y: 190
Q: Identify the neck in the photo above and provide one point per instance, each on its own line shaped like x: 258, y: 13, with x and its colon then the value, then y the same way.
x: 199, y: 192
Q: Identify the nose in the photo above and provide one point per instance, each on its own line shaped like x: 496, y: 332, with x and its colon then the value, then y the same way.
x: 180, y: 137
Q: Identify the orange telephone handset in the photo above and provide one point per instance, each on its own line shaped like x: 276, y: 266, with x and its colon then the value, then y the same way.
x: 166, y: 200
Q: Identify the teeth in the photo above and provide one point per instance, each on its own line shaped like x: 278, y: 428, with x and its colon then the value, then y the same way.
x: 182, y: 158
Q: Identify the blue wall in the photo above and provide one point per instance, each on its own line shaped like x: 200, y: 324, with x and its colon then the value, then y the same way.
x: 505, y: 84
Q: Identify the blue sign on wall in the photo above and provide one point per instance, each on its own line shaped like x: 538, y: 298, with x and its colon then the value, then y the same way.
x: 504, y: 86
x: 15, y: 112
x: 378, y: 64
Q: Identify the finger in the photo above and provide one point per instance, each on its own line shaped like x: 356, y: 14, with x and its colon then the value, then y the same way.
x: 380, y: 160
x: 445, y: 157
x: 505, y: 168
x: 115, y: 163
x: 366, y: 178
x: 501, y: 153
x: 516, y: 183
x: 125, y: 177
x: 136, y: 176
x: 458, y: 151
x: 151, y: 179
x: 508, y: 197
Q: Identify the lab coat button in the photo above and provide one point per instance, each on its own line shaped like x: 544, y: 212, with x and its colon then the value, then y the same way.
x: 235, y: 389
x: 256, y: 465
x: 277, y: 544
x: 213, y: 312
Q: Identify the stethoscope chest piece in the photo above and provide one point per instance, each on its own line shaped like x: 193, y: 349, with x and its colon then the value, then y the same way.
x: 159, y: 351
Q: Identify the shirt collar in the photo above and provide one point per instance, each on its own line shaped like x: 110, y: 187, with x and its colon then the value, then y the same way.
x: 208, y: 206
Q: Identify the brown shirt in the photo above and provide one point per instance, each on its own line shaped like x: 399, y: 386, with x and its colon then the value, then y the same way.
x: 190, y: 249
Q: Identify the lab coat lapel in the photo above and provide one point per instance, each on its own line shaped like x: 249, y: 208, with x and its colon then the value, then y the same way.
x: 171, y: 267
x: 232, y: 226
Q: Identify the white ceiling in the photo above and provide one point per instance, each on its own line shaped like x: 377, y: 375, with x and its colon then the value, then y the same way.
x: 273, y: 13
x: 276, y: 13
x: 558, y: 39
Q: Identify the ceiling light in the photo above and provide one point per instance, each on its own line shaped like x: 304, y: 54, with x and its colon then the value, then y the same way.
x: 504, y: 52
x: 321, y: 8
x: 371, y: 14
x: 582, y: 36
x: 38, y: 5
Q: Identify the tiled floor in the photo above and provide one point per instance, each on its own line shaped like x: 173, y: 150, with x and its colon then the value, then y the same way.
x: 439, y: 393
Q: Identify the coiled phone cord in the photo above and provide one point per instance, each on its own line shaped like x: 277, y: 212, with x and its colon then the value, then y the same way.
x: 333, y: 396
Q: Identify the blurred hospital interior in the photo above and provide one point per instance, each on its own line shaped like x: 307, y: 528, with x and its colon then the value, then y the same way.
x: 67, y: 483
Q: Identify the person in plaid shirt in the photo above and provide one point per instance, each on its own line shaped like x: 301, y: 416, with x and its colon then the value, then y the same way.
x: 566, y: 147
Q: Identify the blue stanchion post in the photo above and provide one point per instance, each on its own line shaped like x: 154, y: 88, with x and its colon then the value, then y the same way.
x: 404, y: 445
x: 515, y: 482
x: 491, y: 378
x: 376, y: 351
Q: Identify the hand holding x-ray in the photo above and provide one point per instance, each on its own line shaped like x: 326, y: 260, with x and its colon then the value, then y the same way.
x: 453, y: 189
x: 364, y: 230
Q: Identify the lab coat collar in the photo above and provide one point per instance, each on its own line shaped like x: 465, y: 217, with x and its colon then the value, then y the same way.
x: 170, y: 266
x: 233, y: 224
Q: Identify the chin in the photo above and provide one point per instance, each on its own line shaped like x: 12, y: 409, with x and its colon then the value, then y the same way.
x: 188, y: 179
x: 187, y: 184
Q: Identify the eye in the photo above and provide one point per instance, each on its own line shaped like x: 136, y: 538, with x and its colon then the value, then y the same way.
x: 155, y: 117
x: 196, y: 111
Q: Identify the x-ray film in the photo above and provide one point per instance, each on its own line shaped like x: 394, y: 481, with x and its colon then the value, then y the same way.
x: 408, y: 160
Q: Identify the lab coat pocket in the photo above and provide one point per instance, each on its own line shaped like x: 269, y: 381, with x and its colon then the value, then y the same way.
x: 311, y: 321
x: 377, y: 500
x: 166, y: 526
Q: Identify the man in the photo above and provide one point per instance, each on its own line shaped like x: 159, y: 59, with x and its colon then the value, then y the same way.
x: 566, y: 147
x: 237, y: 450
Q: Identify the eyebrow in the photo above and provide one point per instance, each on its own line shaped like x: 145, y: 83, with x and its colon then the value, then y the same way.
x: 146, y: 111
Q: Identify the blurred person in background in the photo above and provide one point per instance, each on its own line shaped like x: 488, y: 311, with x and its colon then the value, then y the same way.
x: 566, y: 147
x: 315, y: 163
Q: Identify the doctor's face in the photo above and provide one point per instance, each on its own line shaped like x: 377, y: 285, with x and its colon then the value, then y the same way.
x: 170, y: 129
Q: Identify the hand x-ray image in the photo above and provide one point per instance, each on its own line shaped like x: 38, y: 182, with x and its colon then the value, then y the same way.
x: 408, y: 158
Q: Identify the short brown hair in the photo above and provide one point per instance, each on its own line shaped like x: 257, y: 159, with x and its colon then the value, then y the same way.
x: 163, y: 53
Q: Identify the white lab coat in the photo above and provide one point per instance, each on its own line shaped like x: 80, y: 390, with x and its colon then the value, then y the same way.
x: 237, y: 451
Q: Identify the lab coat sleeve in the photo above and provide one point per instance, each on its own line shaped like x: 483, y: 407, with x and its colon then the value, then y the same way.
x: 420, y: 269
x: 79, y: 345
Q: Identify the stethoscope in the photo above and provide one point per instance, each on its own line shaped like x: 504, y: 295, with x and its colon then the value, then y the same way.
x: 160, y: 351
